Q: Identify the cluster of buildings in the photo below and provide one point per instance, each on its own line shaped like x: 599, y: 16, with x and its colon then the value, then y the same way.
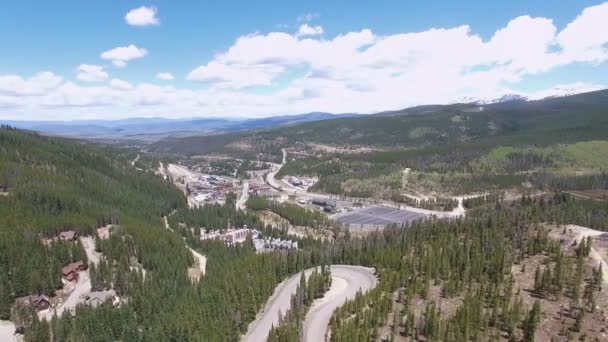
x: 275, y: 244
x: 209, y: 189
x: 304, y: 183
x: 236, y: 236
x: 231, y: 236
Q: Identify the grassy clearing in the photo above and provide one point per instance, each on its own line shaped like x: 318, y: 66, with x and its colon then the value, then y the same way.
x: 590, y: 154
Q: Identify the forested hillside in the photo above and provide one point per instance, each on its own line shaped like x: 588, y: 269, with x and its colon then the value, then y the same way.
x: 564, y: 120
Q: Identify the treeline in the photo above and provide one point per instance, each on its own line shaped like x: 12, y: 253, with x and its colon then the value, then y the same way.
x: 491, y: 198
x: 432, y: 203
x: 293, y: 213
x: 307, y: 291
x: 562, y: 208
x: 572, y: 182
x: 215, y: 216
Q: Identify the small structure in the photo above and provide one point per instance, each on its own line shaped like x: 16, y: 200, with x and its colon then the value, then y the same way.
x: 327, y: 205
x: 259, y: 189
x: 95, y: 299
x: 70, y: 272
x: 68, y: 235
x: 4, y: 188
x: 38, y: 302
x: 236, y: 236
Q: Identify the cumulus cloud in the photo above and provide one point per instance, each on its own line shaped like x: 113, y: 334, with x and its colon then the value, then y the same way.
x: 165, y: 76
x: 142, y: 16
x: 262, y: 74
x: 38, y: 84
x: 117, y: 83
x: 122, y: 54
x: 307, y: 30
x: 91, y: 73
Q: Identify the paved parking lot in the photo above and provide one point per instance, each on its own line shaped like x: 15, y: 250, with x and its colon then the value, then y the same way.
x: 379, y: 216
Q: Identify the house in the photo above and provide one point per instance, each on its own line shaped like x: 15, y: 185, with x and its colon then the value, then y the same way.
x: 39, y: 302
x: 97, y: 298
x: 68, y: 235
x: 70, y: 272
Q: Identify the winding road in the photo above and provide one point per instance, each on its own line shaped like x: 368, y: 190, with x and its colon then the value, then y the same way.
x: 346, y: 281
x: 240, y: 204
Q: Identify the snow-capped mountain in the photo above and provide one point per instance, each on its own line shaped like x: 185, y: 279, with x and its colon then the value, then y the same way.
x: 555, y: 92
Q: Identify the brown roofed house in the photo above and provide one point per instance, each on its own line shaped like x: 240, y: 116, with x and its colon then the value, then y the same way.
x: 70, y: 272
x: 68, y: 235
x: 39, y: 302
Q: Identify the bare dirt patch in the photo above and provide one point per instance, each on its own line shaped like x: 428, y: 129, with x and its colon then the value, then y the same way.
x: 559, y: 313
x: 344, y: 150
x: 104, y: 232
x: 241, y: 145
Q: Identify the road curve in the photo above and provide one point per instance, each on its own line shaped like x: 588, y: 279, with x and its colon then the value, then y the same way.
x: 346, y: 281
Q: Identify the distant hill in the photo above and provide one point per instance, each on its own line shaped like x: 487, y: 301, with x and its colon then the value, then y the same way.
x: 153, y: 129
x: 560, y: 119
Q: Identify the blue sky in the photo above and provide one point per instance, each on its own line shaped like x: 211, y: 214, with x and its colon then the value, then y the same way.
x: 246, y: 59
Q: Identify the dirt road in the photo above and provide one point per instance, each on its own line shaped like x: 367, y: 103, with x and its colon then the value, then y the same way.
x: 89, y: 246
x: 82, y: 286
x: 240, y: 204
x: 7, y: 331
x: 346, y: 281
x: 202, y: 260
x: 135, y: 160
x: 583, y: 232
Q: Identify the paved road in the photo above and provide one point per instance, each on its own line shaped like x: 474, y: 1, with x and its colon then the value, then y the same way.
x: 269, y: 316
x: 346, y: 281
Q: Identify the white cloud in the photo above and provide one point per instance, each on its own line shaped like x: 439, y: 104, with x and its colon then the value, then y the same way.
x: 565, y: 89
x: 122, y: 54
x: 307, y: 30
x: 91, y: 73
x: 166, y: 76
x: 585, y: 38
x: 38, y: 84
x: 117, y: 83
x: 359, y: 71
x: 142, y: 16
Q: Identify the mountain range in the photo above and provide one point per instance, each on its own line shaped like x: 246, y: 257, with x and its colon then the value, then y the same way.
x: 153, y: 129
x: 150, y: 130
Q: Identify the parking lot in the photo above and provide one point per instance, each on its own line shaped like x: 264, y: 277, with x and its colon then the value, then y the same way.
x: 377, y: 216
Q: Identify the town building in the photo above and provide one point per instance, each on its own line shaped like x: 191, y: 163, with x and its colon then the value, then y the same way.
x: 70, y: 272
x: 68, y: 235
x: 96, y: 298
x: 38, y: 302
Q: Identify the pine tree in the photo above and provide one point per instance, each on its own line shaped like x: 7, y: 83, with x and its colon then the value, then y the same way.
x: 531, y: 322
